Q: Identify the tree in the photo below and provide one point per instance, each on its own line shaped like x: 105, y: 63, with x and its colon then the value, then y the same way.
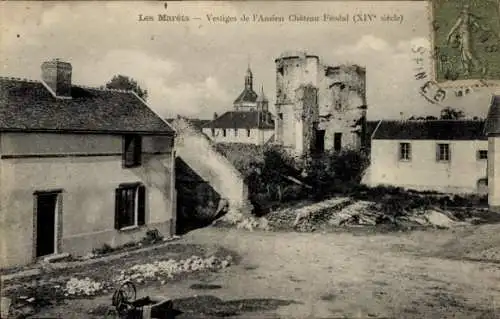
x: 122, y: 82
x: 449, y: 113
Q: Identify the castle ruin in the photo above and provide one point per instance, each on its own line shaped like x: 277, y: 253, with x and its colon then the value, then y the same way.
x: 318, y: 107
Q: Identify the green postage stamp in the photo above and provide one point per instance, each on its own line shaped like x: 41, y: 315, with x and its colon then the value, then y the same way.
x: 466, y: 36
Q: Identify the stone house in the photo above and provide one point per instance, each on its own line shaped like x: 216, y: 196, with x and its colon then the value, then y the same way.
x: 79, y: 167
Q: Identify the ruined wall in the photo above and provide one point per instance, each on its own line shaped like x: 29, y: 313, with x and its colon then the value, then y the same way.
x: 339, y: 106
x: 342, y: 104
x: 293, y: 70
x: 198, y: 152
x: 306, y: 114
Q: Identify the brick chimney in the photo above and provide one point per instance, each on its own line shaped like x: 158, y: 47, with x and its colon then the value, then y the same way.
x: 57, y: 76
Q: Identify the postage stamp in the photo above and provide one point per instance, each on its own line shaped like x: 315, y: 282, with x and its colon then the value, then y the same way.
x: 466, y: 36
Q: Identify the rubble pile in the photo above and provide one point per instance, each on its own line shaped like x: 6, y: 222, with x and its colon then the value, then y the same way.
x: 311, y: 217
x: 86, y: 287
x: 308, y: 217
x: 161, y: 270
x: 347, y: 212
x: 246, y: 222
x: 359, y: 213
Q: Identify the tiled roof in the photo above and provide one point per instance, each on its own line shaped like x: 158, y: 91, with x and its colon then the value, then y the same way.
x: 242, y: 119
x: 248, y: 95
x: 370, y: 127
x: 430, y: 130
x: 28, y: 106
x: 493, y: 121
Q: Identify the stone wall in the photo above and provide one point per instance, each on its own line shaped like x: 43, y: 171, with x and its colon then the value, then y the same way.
x: 197, y: 151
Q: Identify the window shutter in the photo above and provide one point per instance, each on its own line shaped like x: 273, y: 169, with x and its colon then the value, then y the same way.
x: 141, y: 205
x: 118, y: 208
x: 138, y: 150
x: 437, y: 152
x: 126, y: 142
x: 449, y: 152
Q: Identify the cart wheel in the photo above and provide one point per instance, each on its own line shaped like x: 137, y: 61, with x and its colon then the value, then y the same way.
x: 123, y: 296
x: 129, y: 291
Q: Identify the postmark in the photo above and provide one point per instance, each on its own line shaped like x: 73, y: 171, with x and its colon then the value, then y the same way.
x: 442, y: 94
x: 466, y: 40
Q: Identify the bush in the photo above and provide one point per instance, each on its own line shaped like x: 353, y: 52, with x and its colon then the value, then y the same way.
x: 267, y: 171
x: 293, y: 192
x: 245, y: 157
x: 152, y: 236
x: 335, y: 172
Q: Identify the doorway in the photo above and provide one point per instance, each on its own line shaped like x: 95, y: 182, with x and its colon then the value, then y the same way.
x: 319, y: 141
x: 46, y: 223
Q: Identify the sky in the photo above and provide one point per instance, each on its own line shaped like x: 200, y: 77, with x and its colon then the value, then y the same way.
x: 196, y: 68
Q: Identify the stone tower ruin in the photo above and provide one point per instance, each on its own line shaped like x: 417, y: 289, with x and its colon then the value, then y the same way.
x: 319, y: 107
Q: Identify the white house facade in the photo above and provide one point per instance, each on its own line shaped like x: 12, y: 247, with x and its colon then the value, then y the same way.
x: 438, y: 155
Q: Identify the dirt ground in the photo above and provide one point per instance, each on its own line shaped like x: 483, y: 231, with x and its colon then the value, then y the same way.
x: 423, y: 274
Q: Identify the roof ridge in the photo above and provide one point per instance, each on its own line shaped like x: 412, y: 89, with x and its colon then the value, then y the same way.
x: 102, y: 88
x: 11, y: 78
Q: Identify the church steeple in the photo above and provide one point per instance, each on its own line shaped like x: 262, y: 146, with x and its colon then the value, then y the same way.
x: 249, y: 79
x: 247, y: 100
x: 262, y: 101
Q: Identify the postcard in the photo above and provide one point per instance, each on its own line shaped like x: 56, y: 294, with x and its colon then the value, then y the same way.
x: 250, y: 159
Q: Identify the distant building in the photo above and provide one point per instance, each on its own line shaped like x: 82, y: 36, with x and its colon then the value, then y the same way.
x: 195, y: 122
x: 492, y: 130
x: 250, y: 122
x: 448, y: 156
x: 80, y: 167
x: 318, y: 107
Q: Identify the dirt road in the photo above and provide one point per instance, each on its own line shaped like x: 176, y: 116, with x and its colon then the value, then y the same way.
x: 341, y: 275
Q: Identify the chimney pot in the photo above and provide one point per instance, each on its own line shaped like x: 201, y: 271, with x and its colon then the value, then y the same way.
x: 57, y: 75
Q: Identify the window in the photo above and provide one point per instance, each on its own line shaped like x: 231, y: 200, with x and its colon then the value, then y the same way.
x: 235, y: 132
x: 280, y: 116
x: 443, y: 153
x: 224, y: 132
x: 337, y: 141
x: 482, y: 154
x: 132, y: 147
x: 130, y: 202
x: 404, y: 151
x: 213, y: 132
x: 248, y: 132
